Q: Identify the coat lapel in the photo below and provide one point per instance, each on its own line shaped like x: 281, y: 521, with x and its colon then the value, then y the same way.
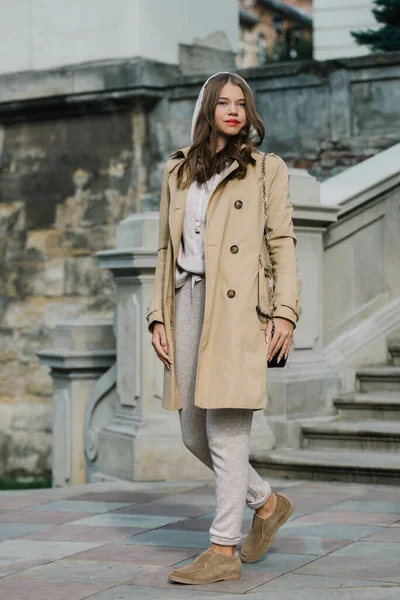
x: 178, y: 204
x: 176, y: 212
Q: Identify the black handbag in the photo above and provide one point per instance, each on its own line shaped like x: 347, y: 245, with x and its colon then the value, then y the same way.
x: 274, y: 361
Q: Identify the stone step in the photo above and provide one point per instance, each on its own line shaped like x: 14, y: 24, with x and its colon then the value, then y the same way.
x: 383, y: 436
x: 384, y: 405
x: 373, y: 379
x: 394, y: 350
x: 361, y: 466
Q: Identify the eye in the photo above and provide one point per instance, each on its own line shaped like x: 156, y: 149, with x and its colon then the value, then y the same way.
x: 242, y: 104
x: 221, y: 102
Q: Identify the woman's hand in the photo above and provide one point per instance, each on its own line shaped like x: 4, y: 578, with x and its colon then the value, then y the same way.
x: 282, y: 338
x: 160, y: 345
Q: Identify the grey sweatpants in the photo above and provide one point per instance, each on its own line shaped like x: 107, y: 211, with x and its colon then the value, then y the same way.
x: 217, y: 437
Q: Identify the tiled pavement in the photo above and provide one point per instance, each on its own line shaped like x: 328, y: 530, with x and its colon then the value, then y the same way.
x: 118, y: 541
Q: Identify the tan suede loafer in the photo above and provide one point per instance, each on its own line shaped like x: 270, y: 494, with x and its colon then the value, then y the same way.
x: 263, y: 531
x: 209, y: 567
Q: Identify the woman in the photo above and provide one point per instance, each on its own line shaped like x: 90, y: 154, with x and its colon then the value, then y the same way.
x: 210, y: 277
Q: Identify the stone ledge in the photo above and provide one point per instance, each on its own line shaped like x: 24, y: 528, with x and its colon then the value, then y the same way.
x: 114, y: 81
x: 77, y: 360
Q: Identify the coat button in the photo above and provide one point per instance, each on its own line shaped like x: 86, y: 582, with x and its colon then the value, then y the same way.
x: 231, y: 293
x: 234, y: 249
x: 238, y: 204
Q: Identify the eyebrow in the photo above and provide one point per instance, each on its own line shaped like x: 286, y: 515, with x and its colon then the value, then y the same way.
x: 225, y: 98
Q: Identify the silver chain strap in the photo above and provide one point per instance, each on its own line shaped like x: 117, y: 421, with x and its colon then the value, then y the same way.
x: 266, y: 235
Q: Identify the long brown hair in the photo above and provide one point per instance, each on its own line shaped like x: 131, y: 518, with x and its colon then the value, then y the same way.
x: 202, y: 160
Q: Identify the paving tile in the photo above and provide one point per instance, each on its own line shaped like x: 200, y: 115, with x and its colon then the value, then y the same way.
x: 369, y: 506
x: 22, y: 589
x: 7, y: 561
x: 203, y: 490
x: 299, y: 512
x: 203, y: 523
x: 21, y: 565
x: 37, y: 516
x: 379, y: 552
x: 383, y: 592
x: 292, y: 582
x: 196, y: 524
x: 83, y: 533
x: 324, y: 496
x: 9, y: 531
x: 308, y: 497
x: 167, y: 508
x: 116, y: 496
x: 276, y: 562
x: 137, y: 555
x: 381, y: 494
x: 353, y: 568
x: 209, y: 517
x: 199, y: 500
x: 80, y: 506
x: 350, y: 517
x: 14, y: 502
x: 397, y: 524
x: 248, y: 581
x: 307, y: 545
x: 178, y: 539
x: 85, y: 572
x: 33, y: 550
x: 334, y: 488
x: 322, y: 530
x: 118, y: 520
x: 126, y: 592
x: 384, y: 534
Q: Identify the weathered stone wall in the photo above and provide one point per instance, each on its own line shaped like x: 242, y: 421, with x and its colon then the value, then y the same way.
x: 65, y: 184
x: 83, y: 147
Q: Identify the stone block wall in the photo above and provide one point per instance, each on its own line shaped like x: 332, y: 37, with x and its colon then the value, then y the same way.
x: 65, y: 183
x: 83, y: 147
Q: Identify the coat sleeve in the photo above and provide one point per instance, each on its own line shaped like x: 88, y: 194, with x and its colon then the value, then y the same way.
x: 287, y: 285
x: 155, y: 309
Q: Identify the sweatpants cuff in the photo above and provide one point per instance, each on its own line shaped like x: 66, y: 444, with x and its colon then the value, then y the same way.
x: 224, y: 541
x: 260, y: 503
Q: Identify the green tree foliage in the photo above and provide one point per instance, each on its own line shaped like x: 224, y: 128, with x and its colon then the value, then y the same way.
x: 387, y: 38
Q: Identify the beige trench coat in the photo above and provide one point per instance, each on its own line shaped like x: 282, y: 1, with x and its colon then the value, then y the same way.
x: 232, y: 363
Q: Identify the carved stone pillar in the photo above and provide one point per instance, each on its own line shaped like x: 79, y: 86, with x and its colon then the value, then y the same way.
x: 82, y: 351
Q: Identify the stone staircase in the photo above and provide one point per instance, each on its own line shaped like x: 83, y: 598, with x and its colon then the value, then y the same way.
x: 361, y: 443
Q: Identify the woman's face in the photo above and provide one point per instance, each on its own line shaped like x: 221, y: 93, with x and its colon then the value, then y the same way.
x: 230, y: 113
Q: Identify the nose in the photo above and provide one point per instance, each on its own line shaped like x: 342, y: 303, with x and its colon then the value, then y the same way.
x: 233, y: 109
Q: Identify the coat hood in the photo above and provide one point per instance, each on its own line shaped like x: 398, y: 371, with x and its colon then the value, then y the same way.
x: 200, y: 100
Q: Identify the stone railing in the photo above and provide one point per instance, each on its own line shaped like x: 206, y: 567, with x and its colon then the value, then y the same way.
x: 362, y: 263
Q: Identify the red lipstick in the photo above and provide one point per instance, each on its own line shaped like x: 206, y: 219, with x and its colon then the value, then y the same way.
x: 233, y: 122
